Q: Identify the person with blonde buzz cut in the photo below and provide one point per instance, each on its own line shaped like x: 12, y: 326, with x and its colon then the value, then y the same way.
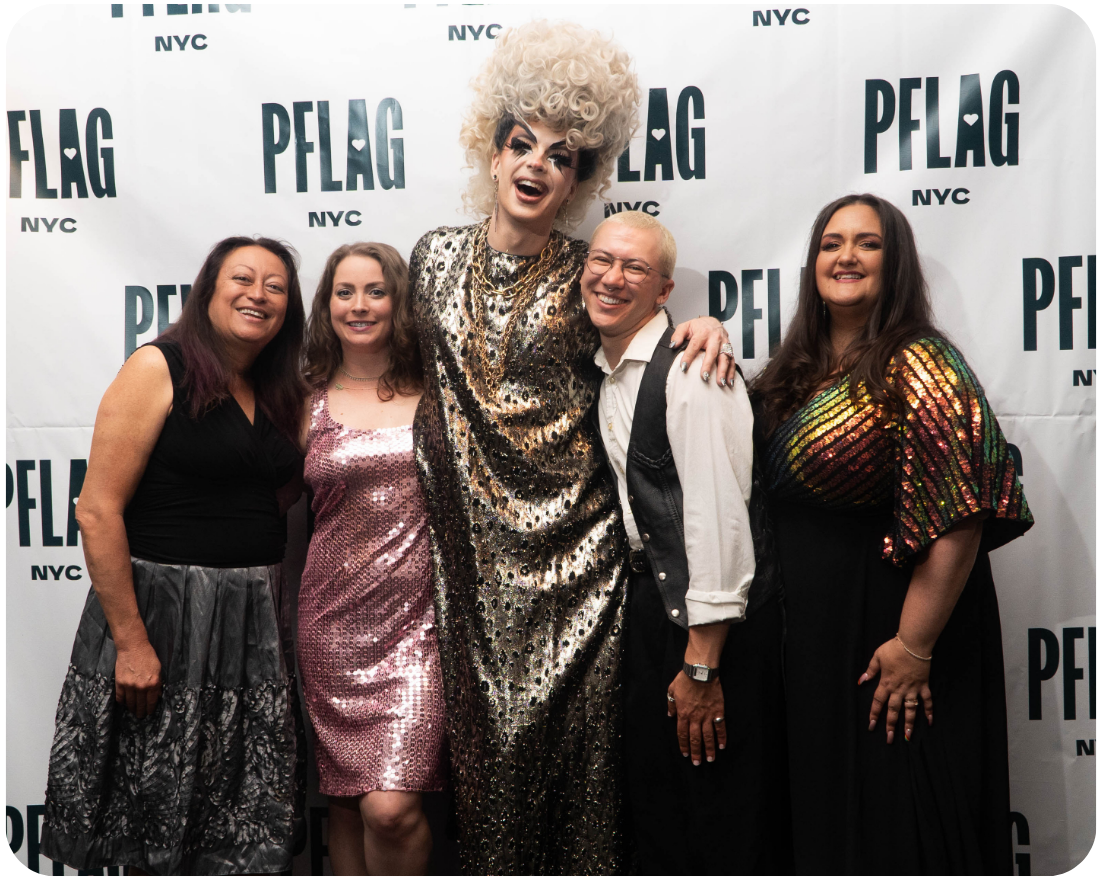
x: 704, y: 733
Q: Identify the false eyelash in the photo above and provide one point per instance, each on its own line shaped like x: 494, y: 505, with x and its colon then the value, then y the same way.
x: 561, y: 160
x: 519, y: 145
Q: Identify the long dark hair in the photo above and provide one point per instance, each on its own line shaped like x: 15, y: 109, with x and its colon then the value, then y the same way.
x: 323, y: 351
x: 806, y: 360
x: 279, y: 389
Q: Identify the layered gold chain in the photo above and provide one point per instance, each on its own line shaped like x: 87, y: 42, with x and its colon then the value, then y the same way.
x: 521, y: 293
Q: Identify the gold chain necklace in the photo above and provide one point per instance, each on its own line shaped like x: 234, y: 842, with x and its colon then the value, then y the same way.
x: 521, y: 293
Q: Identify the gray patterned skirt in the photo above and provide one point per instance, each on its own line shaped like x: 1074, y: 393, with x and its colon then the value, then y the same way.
x: 213, y: 780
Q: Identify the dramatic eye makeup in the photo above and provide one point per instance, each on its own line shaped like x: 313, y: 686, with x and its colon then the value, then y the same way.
x: 558, y: 153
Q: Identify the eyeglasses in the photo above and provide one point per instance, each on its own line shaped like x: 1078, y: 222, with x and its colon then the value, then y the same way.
x: 635, y: 271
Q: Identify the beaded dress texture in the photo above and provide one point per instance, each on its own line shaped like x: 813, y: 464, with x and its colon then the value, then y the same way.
x: 366, y: 642
x: 527, y: 549
x: 855, y: 496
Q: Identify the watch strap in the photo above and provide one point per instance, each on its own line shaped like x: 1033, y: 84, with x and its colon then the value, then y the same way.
x: 700, y: 672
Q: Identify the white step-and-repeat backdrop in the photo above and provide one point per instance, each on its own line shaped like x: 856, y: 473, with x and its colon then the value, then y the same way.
x: 140, y: 134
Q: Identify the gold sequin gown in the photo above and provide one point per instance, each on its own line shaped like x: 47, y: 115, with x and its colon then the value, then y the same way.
x: 527, y: 547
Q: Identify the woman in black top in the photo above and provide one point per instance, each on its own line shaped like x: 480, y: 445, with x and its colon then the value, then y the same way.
x: 176, y: 748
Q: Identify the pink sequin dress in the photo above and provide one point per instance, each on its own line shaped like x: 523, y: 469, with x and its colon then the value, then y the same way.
x: 366, y: 640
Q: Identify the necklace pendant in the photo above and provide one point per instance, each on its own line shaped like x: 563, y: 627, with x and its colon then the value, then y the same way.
x: 338, y: 386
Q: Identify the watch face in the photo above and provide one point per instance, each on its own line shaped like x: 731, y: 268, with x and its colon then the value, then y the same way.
x: 699, y: 672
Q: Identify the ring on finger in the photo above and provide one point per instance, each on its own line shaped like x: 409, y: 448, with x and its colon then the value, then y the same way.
x: 717, y: 720
x: 727, y: 349
x: 910, y: 703
x: 670, y: 698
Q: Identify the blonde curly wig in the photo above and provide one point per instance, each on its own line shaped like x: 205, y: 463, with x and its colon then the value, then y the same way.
x: 569, y: 79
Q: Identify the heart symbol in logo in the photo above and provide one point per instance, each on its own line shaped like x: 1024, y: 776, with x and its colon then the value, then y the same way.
x: 658, y: 133
x: 971, y: 118
x: 70, y: 152
x: 358, y: 143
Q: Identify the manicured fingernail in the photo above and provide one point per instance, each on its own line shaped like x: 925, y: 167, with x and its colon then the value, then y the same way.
x: 685, y: 366
x: 704, y: 376
x: 891, y: 736
x: 929, y: 718
x: 684, y: 754
x: 862, y: 679
x: 871, y: 725
x: 710, y: 759
x: 908, y: 734
x: 673, y: 345
x: 733, y: 381
x: 723, y: 382
x: 696, y: 762
x: 722, y: 747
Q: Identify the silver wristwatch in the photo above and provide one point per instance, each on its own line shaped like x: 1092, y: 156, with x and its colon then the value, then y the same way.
x: 701, y: 673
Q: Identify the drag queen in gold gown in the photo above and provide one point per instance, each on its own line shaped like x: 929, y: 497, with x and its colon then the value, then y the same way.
x: 527, y: 542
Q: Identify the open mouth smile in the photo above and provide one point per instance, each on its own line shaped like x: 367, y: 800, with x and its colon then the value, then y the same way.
x: 253, y: 313
x: 529, y: 190
x: 606, y: 299
x: 848, y: 276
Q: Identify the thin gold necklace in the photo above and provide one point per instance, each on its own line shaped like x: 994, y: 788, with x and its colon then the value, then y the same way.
x: 358, y: 378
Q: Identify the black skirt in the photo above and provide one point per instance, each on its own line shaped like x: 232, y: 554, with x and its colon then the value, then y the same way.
x: 211, y: 780
x: 938, y: 804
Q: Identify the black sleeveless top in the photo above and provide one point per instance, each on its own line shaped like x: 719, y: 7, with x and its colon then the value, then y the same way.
x: 208, y: 493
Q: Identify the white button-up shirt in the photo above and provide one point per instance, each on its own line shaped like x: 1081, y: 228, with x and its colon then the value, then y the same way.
x: 709, y: 428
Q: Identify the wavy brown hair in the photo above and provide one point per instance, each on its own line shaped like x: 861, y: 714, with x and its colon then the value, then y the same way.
x: 806, y: 360
x: 323, y: 351
x: 279, y: 389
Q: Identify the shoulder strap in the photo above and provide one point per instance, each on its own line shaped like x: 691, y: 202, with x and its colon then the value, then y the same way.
x: 174, y: 357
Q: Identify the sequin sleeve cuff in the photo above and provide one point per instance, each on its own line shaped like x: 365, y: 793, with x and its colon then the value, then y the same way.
x: 952, y: 458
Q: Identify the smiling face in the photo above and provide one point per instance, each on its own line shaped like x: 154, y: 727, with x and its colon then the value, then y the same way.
x: 536, y: 173
x: 361, y: 307
x: 618, y: 306
x: 249, y: 301
x: 849, y: 268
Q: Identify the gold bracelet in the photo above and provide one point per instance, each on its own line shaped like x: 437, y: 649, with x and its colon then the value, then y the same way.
x: 911, y: 652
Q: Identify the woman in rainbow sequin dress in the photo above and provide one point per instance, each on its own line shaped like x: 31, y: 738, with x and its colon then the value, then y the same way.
x: 890, y: 482
x: 366, y: 641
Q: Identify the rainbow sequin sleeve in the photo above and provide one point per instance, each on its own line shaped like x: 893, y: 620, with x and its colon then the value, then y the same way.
x: 952, y: 461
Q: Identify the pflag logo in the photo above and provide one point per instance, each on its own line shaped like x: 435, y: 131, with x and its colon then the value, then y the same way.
x: 982, y: 129
x: 380, y: 150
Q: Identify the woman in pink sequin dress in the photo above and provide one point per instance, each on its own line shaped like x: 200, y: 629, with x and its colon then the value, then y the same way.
x: 366, y: 639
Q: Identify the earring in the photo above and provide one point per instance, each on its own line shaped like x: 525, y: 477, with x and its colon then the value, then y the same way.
x: 495, y: 211
x: 565, y: 208
x: 823, y: 301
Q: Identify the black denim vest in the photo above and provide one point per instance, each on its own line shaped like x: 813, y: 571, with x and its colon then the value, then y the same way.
x: 655, y: 498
